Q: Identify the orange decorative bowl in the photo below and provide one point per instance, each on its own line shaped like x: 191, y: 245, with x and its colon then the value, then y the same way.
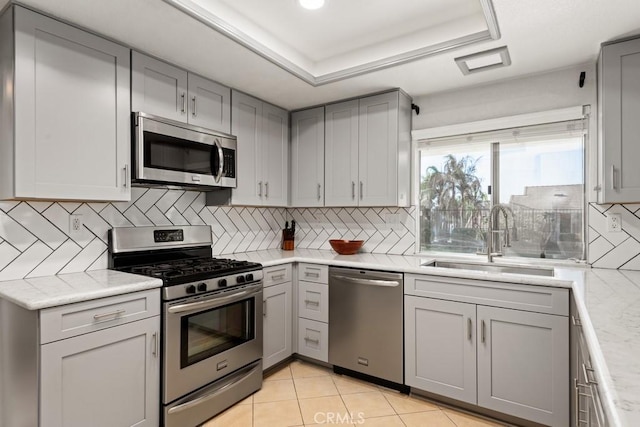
x: 346, y: 247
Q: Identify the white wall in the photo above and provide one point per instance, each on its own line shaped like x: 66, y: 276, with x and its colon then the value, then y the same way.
x: 548, y: 91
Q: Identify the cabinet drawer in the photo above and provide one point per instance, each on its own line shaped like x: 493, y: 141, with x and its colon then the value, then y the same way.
x: 540, y: 299
x: 313, y: 273
x: 76, y: 319
x: 277, y: 274
x: 313, y: 301
x: 313, y: 339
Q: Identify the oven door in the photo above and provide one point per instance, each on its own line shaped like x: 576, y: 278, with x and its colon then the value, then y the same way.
x: 177, y: 153
x: 208, y: 337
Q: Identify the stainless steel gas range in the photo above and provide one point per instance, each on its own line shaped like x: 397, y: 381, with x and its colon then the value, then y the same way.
x: 211, y: 318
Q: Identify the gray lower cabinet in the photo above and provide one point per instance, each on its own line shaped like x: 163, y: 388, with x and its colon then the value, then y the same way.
x: 277, y: 323
x: 587, y: 408
x: 441, y: 359
x: 92, y: 363
x: 523, y: 365
x: 503, y: 347
x: 102, y: 379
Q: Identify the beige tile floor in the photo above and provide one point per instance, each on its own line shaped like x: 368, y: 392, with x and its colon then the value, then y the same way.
x: 303, y: 394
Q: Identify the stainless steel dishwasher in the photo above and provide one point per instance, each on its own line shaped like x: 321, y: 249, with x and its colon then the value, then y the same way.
x: 365, y: 325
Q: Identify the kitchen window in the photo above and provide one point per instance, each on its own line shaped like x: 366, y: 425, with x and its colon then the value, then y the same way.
x: 537, y: 172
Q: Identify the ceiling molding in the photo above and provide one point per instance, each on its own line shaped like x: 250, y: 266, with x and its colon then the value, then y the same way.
x: 212, y: 21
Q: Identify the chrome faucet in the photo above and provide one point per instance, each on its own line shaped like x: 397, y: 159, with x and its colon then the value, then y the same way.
x: 506, y: 242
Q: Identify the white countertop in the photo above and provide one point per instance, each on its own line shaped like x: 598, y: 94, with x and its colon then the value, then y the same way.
x: 608, y: 304
x: 51, y: 291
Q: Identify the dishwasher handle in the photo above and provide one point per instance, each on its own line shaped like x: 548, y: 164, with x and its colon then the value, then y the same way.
x: 369, y: 282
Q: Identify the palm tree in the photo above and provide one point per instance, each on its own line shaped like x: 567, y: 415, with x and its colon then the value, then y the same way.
x: 456, y: 191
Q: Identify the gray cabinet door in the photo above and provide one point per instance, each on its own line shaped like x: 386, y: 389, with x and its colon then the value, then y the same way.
x: 158, y: 88
x: 378, y: 150
x: 246, y: 125
x: 619, y: 99
x: 523, y: 364
x: 277, y: 324
x: 342, y: 186
x: 275, y: 155
x: 72, y: 117
x: 307, y: 158
x: 108, y: 378
x: 440, y: 343
x: 209, y: 104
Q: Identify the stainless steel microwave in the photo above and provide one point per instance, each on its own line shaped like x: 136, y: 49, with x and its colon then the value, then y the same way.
x: 166, y: 152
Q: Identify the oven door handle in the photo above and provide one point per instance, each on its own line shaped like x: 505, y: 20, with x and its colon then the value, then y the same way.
x: 238, y: 377
x: 215, y: 301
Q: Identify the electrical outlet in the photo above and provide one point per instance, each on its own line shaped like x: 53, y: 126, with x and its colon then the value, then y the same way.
x: 75, y: 224
x: 614, y: 222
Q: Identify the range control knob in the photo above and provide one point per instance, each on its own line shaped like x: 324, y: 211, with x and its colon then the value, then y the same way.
x: 222, y: 283
x: 191, y: 289
x: 202, y: 287
x: 240, y: 279
x: 249, y: 277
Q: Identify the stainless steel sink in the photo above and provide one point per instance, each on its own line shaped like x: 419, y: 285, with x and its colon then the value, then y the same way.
x: 492, y: 268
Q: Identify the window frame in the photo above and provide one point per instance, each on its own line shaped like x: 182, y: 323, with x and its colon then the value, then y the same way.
x: 497, y: 125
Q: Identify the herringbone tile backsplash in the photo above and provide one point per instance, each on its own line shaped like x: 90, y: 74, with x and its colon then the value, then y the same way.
x: 614, y: 249
x: 35, y: 238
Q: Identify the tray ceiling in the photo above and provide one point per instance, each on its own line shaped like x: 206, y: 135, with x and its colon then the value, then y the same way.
x: 346, y: 38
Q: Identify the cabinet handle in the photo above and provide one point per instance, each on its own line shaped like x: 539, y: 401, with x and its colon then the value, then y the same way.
x: 195, y: 111
x: 361, y: 189
x: 155, y: 344
x: 110, y: 314
x: 126, y: 176
x: 353, y: 190
x: 469, y: 326
x: 482, y: 331
x: 278, y: 277
x: 264, y: 308
x: 266, y: 189
x: 613, y: 177
x: 309, y: 274
x: 184, y: 102
x: 319, y: 187
x: 260, y: 189
x: 312, y: 340
x: 311, y: 302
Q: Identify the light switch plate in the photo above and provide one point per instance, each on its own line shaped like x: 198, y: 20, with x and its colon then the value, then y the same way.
x: 614, y: 222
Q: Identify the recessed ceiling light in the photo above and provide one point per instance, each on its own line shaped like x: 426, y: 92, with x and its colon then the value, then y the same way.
x: 311, y: 4
x: 482, y: 61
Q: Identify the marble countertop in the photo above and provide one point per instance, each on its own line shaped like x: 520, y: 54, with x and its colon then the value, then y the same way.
x: 51, y: 291
x: 608, y: 304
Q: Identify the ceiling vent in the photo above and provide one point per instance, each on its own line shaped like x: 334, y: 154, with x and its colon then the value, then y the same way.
x: 482, y: 61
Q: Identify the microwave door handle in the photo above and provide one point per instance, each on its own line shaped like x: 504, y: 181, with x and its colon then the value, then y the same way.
x: 218, y: 176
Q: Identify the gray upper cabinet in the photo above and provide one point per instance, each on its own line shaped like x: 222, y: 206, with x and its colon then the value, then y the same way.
x: 367, y: 160
x: 164, y: 90
x: 263, y: 152
x: 619, y: 127
x: 523, y: 364
x: 307, y: 158
x: 65, y: 111
x: 341, y: 154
